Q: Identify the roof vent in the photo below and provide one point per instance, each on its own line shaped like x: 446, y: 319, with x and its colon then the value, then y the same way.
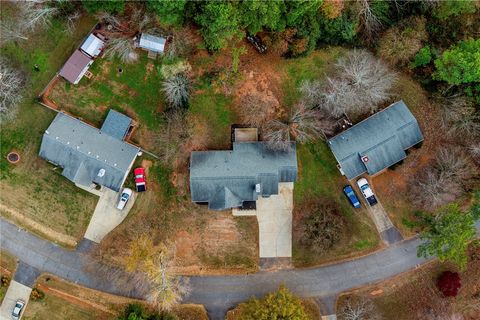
x: 46, y: 131
x: 101, y: 173
x: 258, y: 188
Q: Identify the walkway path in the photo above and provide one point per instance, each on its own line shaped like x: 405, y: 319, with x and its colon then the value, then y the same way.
x: 217, y: 293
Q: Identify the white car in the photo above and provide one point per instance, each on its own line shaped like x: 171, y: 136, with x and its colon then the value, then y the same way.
x: 17, y: 310
x: 125, y: 196
x: 367, y: 191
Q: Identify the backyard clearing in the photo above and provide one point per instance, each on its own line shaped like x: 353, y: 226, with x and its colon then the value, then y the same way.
x: 31, y: 191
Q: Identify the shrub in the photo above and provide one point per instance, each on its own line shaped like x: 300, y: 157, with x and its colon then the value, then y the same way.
x: 5, y: 281
x: 281, y: 304
x: 449, y: 8
x: 37, y: 294
x: 323, y: 227
x: 423, y: 57
x: 177, y: 90
x: 449, y: 283
x: 401, y: 42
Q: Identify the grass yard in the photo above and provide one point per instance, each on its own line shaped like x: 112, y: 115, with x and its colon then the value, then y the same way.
x: 320, y: 178
x: 8, y: 264
x: 30, y: 190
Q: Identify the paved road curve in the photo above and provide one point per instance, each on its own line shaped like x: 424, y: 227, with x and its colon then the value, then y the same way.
x: 217, y: 293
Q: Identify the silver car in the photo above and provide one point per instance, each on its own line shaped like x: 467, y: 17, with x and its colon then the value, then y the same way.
x: 17, y: 310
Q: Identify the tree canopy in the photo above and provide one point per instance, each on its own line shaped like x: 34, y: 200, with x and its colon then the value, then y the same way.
x: 449, y: 233
x: 460, y: 64
x: 281, y: 304
x: 116, y: 6
x: 257, y: 15
x: 219, y: 22
x: 169, y: 12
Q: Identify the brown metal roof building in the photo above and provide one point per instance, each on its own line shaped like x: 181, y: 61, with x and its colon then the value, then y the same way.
x: 76, y: 66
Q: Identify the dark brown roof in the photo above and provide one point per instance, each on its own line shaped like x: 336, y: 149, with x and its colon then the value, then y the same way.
x: 74, y: 66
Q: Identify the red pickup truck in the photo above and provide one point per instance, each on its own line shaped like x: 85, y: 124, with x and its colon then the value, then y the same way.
x: 140, y: 181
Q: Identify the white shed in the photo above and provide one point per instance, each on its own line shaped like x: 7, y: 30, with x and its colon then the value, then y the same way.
x: 152, y: 43
x: 92, y: 45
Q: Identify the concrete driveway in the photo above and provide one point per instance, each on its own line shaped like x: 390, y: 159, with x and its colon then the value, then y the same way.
x: 15, y: 291
x: 106, y: 216
x: 384, y: 225
x: 274, y: 215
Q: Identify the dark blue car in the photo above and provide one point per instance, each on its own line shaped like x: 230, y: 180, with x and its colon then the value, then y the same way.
x: 352, y: 197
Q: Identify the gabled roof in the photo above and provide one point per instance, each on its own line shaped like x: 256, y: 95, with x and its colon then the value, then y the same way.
x: 116, y: 124
x: 92, y: 45
x: 152, y: 43
x: 75, y: 66
x: 377, y: 142
x: 83, y: 151
x: 226, y: 179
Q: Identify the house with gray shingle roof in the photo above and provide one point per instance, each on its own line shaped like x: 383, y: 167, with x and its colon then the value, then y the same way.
x: 89, y: 155
x: 377, y: 142
x: 237, y: 178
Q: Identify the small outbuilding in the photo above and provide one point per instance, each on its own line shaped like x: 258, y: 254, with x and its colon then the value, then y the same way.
x: 151, y: 43
x: 88, y: 155
x: 76, y: 66
x: 92, y: 46
x: 237, y: 178
x: 377, y: 142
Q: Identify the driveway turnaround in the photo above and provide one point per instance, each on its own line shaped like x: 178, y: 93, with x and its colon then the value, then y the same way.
x: 106, y: 216
x: 16, y: 291
x: 217, y: 293
x: 384, y: 225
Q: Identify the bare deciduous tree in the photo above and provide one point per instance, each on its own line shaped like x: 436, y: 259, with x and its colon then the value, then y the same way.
x: 358, y: 309
x: 177, y: 90
x: 112, y: 20
x: 182, y: 44
x: 11, y: 85
x: 362, y: 82
x: 167, y: 288
x: 122, y: 48
x: 170, y: 139
x: 303, y: 125
x: 72, y: 20
x: 36, y: 13
x: 460, y: 118
x: 369, y: 20
x: 254, y: 110
x: 444, y: 181
x: 10, y: 32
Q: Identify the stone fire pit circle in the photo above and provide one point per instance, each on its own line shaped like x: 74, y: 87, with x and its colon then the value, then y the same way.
x: 13, y: 157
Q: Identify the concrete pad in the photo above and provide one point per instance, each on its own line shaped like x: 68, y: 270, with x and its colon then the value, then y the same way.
x: 15, y: 291
x: 274, y: 215
x: 106, y: 216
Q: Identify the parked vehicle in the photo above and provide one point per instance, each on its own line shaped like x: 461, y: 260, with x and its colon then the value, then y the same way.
x: 351, y: 196
x: 257, y: 43
x: 126, y: 194
x: 367, y: 191
x: 140, y: 181
x: 17, y: 310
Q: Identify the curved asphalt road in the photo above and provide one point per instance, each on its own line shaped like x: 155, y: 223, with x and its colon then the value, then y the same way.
x: 217, y: 293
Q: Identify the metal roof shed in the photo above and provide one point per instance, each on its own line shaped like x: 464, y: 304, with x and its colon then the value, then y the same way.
x: 75, y: 67
x: 92, y: 46
x: 152, y: 43
x: 228, y: 179
x: 116, y: 125
x: 377, y: 142
x: 86, y: 155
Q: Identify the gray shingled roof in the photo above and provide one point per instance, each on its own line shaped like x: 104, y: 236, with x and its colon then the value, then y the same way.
x: 82, y: 151
x: 116, y: 124
x: 225, y: 179
x: 381, y: 138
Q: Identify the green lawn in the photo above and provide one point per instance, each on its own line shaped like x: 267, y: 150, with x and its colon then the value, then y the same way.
x: 320, y: 178
x: 31, y: 188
